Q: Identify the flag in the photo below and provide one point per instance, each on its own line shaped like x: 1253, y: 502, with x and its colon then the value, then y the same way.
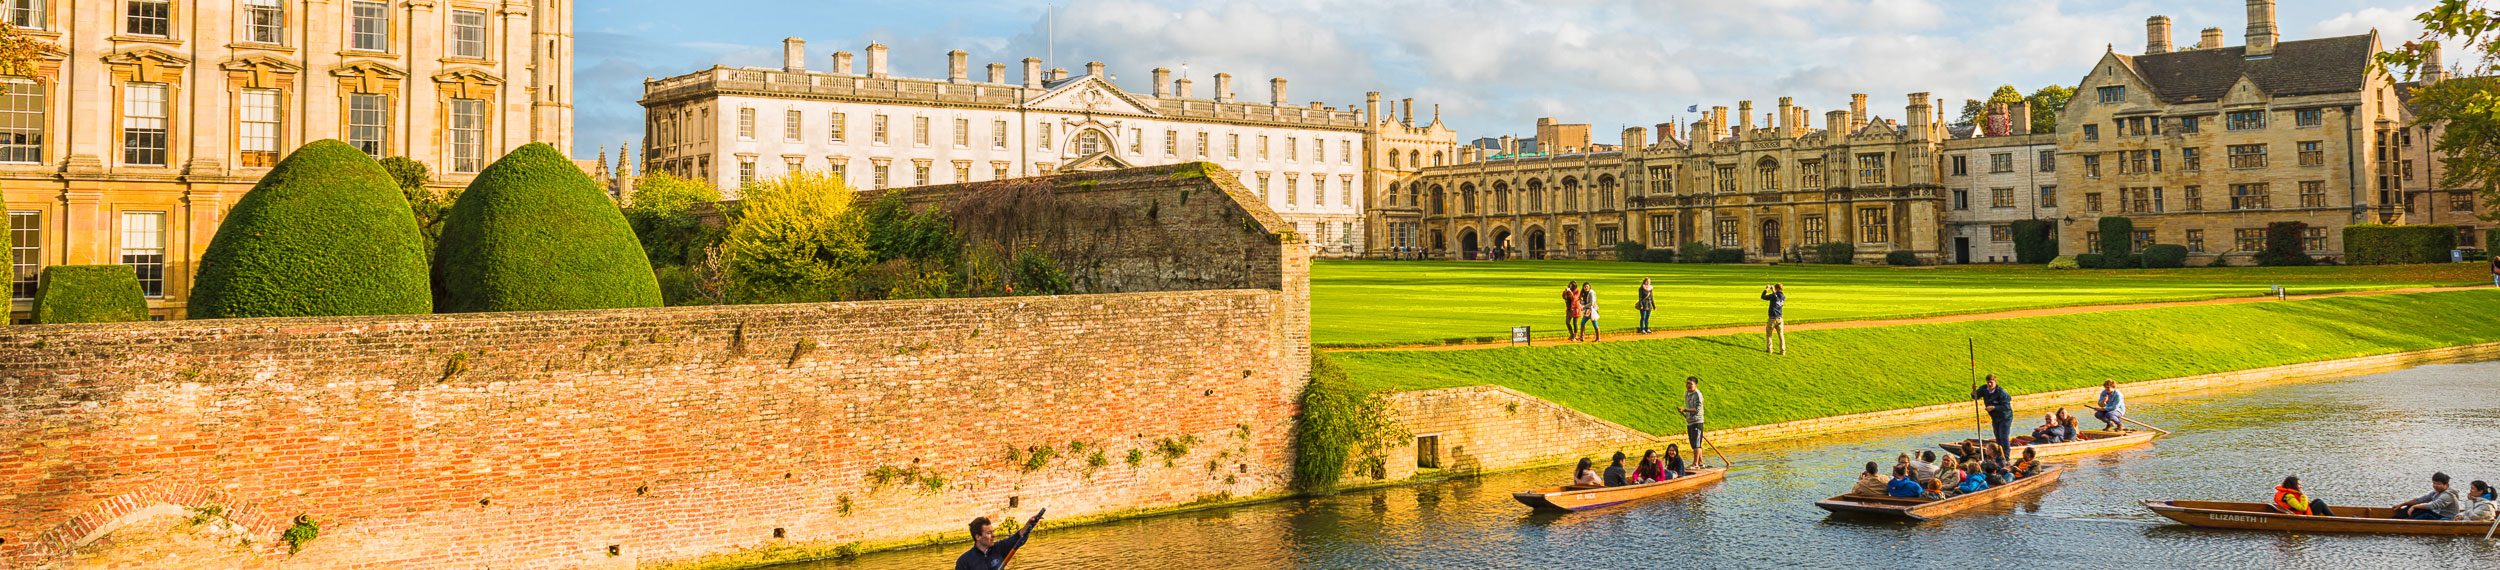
x: 1692, y: 109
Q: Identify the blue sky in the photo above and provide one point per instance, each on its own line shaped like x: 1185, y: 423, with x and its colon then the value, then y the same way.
x: 1493, y: 66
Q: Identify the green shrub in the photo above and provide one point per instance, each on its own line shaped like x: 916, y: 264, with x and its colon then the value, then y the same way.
x: 1660, y: 255
x: 2117, y: 236
x: 2491, y: 241
x: 2164, y: 256
x: 1901, y: 259
x: 532, y: 233
x: 1036, y: 274
x: 1341, y: 422
x: 2065, y: 262
x: 1630, y: 251
x: 661, y: 215
x: 1836, y: 253
x: 1694, y: 252
x: 325, y: 233
x: 1724, y: 255
x: 2374, y: 244
x: 429, y: 206
x: 797, y: 239
x: 2035, y: 241
x: 2283, y: 247
x: 2090, y: 260
x: 89, y: 294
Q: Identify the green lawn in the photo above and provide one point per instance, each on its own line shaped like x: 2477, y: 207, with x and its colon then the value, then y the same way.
x: 1387, y: 303
x: 1844, y: 371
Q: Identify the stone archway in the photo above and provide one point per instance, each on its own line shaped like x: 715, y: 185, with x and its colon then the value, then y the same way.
x: 1536, y: 243
x: 1501, y: 245
x: 1467, y: 246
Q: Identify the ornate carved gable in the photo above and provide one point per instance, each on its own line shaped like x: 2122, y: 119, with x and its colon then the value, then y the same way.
x: 260, y: 71
x: 1108, y: 159
x: 146, y: 64
x: 369, y: 77
x: 1089, y: 94
x: 468, y: 83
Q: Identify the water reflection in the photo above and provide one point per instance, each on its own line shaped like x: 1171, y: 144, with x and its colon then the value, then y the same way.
x: 2370, y: 440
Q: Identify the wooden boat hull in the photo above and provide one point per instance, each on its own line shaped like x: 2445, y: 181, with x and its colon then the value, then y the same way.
x: 1570, y: 499
x: 2260, y: 516
x: 2092, y: 441
x: 1925, y: 509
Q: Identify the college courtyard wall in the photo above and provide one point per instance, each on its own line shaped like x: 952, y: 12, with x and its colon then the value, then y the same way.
x: 615, y: 439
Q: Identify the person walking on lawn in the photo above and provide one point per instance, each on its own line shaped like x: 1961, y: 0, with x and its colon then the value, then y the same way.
x: 1692, y: 416
x: 1571, y: 308
x: 2000, y: 409
x: 1648, y: 302
x: 1588, y: 311
x: 1772, y: 332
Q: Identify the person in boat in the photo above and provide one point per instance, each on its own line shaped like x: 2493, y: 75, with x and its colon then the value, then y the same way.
x: 1586, y: 475
x: 2000, y: 409
x: 1693, y: 416
x: 1903, y: 486
x: 1997, y: 474
x: 2441, y: 505
x: 2483, y: 503
x: 2029, y: 466
x: 2113, y: 408
x: 2047, y: 432
x: 1948, y: 477
x: 1650, y: 471
x: 1973, y: 481
x: 2066, y: 431
x: 1871, y: 484
x: 990, y: 553
x: 1615, y: 473
x: 1675, y: 462
x: 2288, y: 498
x: 1924, y: 467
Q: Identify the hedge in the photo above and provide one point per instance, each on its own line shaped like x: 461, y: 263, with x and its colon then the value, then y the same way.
x: 1724, y: 255
x: 2164, y: 256
x: 532, y: 233
x: 2117, y: 236
x: 1694, y: 252
x: 2066, y: 262
x: 2491, y: 241
x: 324, y: 233
x: 2283, y: 246
x: 2090, y: 260
x: 89, y: 294
x: 2035, y: 241
x: 2375, y: 244
x: 1660, y: 255
x: 1901, y: 259
x: 1836, y: 253
x: 1629, y: 251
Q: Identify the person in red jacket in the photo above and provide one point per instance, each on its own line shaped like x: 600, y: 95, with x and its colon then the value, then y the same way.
x: 1571, y: 308
x: 2288, y: 498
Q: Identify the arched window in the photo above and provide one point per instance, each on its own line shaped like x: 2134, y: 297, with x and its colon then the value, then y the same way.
x: 1571, y: 194
x: 1536, y: 195
x: 1440, y: 201
x: 1606, y: 192
x: 1436, y: 158
x: 1501, y: 197
x: 1467, y: 198
x: 1393, y: 159
x: 1390, y: 198
x: 1415, y: 157
x: 1769, y: 174
x: 1089, y: 143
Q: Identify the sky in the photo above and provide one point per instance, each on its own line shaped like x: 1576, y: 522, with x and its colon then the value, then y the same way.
x: 1492, y: 66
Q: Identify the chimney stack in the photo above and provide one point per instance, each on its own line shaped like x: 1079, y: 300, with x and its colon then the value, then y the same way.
x: 2211, y: 40
x: 1058, y: 74
x: 1837, y: 122
x: 998, y: 73
x: 1999, y: 121
x: 2260, y: 28
x: 2432, y: 70
x: 1718, y: 124
x: 1788, y: 117
x: 1406, y: 113
x: 876, y: 61
x: 1666, y: 132
x: 1371, y: 109
x: 1180, y: 88
x: 1857, y: 111
x: 957, y: 69
x: 1163, y: 83
x: 1635, y: 138
x: 841, y: 63
x: 1276, y: 91
x: 1918, y: 114
x: 1094, y: 68
x: 1224, y: 87
x: 794, y: 55
x: 2156, y: 35
x: 1032, y: 73
x: 1744, y: 118
x: 2022, y: 117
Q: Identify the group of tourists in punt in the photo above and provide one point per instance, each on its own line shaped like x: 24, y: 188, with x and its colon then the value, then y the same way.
x: 2479, y: 503
x: 1653, y: 467
x: 1927, y: 476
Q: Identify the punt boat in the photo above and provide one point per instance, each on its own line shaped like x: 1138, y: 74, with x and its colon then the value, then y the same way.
x: 2085, y: 442
x: 1575, y: 498
x: 2262, y: 516
x: 1927, y: 509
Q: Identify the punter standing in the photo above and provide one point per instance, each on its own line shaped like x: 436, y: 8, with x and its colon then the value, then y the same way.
x: 2000, y: 409
x: 1692, y: 416
x: 1772, y: 332
x: 990, y: 553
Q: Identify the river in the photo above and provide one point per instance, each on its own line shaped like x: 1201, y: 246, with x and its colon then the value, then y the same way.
x: 2368, y: 440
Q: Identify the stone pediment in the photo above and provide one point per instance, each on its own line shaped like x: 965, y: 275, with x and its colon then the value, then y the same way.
x: 1089, y: 94
x: 1106, y: 160
x: 2244, y: 92
x: 468, y: 83
x: 147, y: 64
x: 369, y: 76
x: 260, y: 71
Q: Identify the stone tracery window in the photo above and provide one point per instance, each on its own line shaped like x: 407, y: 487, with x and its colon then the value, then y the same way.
x: 1767, y: 172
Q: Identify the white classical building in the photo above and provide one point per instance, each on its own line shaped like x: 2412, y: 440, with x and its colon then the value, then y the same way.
x: 731, y: 126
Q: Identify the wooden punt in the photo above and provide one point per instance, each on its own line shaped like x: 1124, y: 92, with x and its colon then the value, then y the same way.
x: 2261, y: 516
x: 1926, y: 509
x: 2085, y: 442
x: 1575, y: 498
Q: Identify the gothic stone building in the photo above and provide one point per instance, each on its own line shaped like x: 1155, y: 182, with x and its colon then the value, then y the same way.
x: 1771, y: 190
x: 147, y: 119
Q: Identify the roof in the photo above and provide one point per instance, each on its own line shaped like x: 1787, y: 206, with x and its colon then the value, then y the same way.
x: 2305, y: 67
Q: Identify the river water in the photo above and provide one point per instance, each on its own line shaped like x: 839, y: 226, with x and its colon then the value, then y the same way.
x: 2366, y: 440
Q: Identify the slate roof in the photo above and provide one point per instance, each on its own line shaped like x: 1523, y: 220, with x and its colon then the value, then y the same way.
x: 2305, y: 67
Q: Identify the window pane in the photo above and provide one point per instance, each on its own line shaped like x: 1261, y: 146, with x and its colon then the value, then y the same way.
x: 264, y: 21
x: 26, y: 249
x: 27, y: 13
x: 143, y: 124
x: 260, y: 125
x: 468, y: 135
x: 21, y: 121
x: 149, y: 17
x: 368, y: 123
x: 468, y: 33
x: 372, y: 26
x: 143, y: 249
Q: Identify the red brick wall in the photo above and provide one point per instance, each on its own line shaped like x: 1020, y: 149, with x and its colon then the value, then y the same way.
x: 538, y: 440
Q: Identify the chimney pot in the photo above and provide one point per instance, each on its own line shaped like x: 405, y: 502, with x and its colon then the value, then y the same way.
x: 1032, y: 73
x: 957, y: 69
x: 1094, y: 68
x: 2212, y: 39
x: 1180, y: 88
x: 2021, y: 117
x: 1163, y: 82
x: 2260, y: 28
x: 876, y: 61
x: 794, y: 55
x: 1857, y: 111
x: 998, y: 73
x: 841, y: 63
x: 2432, y: 70
x: 2156, y: 35
x: 1406, y: 112
x: 1744, y: 117
x: 1224, y: 87
x: 1276, y: 91
x: 1058, y: 73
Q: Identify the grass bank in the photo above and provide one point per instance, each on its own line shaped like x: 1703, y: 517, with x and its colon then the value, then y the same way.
x: 1846, y: 371
x: 1388, y: 303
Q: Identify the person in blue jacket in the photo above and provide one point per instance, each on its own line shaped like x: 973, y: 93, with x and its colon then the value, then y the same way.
x: 2000, y: 410
x: 988, y: 551
x: 1902, y: 486
x: 1772, y: 332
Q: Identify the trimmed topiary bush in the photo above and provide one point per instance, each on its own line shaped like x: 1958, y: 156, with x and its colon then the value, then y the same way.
x: 89, y: 294
x: 2089, y: 261
x: 2117, y: 236
x: 2374, y: 244
x: 532, y: 233
x: 2164, y: 256
x: 1901, y: 259
x: 1725, y: 255
x: 2283, y: 247
x: 2065, y: 262
x: 1629, y: 251
x: 325, y: 233
x: 1660, y: 255
x: 1836, y: 253
x: 2035, y: 241
x: 1694, y: 252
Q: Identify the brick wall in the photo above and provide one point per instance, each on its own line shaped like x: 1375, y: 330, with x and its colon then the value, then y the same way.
x: 540, y: 440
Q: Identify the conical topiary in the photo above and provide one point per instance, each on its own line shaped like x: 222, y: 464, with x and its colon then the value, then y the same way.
x: 533, y: 233
x: 325, y: 233
x: 89, y: 294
